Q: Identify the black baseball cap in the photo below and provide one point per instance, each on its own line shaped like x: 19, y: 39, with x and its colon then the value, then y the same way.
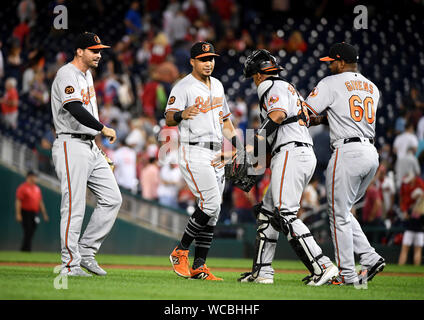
x: 89, y: 40
x: 202, y: 49
x: 342, y: 51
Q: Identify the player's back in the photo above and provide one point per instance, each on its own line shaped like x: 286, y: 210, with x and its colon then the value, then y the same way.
x: 352, y: 104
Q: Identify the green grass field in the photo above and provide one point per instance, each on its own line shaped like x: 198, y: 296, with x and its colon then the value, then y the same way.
x: 28, y: 276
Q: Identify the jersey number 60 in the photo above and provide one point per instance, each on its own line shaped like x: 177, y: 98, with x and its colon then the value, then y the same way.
x: 358, y: 107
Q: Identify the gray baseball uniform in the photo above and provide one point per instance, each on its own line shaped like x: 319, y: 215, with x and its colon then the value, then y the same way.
x: 205, y: 181
x: 292, y: 166
x: 351, y: 102
x: 80, y: 164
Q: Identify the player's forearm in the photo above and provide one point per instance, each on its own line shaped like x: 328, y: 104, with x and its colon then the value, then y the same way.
x: 228, y: 130
x: 317, y: 120
x: 170, y: 121
x: 18, y: 208
x: 84, y: 117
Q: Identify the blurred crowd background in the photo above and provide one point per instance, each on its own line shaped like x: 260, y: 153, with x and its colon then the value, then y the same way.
x: 150, y: 43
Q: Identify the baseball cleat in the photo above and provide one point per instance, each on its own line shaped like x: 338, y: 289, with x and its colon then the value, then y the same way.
x: 74, y: 272
x: 247, y: 277
x: 180, y: 263
x: 91, y: 265
x: 371, y: 272
x: 203, y: 273
x: 328, y: 275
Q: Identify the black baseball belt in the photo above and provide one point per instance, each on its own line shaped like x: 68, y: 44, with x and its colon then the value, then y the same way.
x: 84, y: 137
x: 296, y: 144
x: 354, y: 139
x: 215, y: 146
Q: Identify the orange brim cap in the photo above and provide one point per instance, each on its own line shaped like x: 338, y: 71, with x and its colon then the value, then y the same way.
x: 98, y: 46
x: 206, y: 55
x: 327, y: 59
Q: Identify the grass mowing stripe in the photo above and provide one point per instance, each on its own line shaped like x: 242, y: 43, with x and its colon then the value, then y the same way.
x: 37, y: 283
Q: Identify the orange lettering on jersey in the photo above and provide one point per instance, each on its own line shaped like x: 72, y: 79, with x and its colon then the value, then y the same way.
x: 360, y: 85
x: 371, y: 89
x: 348, y: 86
x: 366, y: 86
x: 86, y: 96
x: 291, y: 89
x: 207, y: 105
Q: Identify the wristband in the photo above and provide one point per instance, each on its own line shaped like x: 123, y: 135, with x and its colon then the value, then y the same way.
x: 178, y: 116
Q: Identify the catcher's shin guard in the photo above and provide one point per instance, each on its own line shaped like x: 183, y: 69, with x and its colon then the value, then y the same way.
x: 300, y: 239
x: 265, y: 243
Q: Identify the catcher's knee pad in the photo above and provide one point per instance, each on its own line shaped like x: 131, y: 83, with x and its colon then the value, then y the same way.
x: 300, y: 239
x: 266, y: 241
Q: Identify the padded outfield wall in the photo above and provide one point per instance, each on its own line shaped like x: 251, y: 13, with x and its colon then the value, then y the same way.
x: 127, y: 237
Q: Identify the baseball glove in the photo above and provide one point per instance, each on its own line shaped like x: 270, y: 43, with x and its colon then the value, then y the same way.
x: 238, y: 173
x: 109, y: 161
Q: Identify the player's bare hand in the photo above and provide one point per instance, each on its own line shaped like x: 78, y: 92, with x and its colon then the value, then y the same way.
x: 222, y: 159
x: 190, y: 112
x: 110, y: 133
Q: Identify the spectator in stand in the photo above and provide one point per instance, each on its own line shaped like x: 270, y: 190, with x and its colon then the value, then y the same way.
x: 243, y: 203
x: 277, y: 43
x: 150, y: 176
x: 108, y: 111
x: 178, y: 27
x: 153, y: 97
x: 14, y: 61
x: 414, y: 104
x: 9, y: 104
x: 191, y: 11
x: 386, y: 183
x: 412, y: 207
x: 170, y: 182
x: 44, y: 149
x: 124, y: 159
x: 38, y: 92
x: 35, y: 64
x: 401, y: 120
x: 159, y: 50
x: 373, y: 208
x: 406, y: 163
x: 133, y: 20
x: 21, y: 32
x: 296, y: 43
x: 26, y: 11
x: 404, y: 141
x: 225, y: 9
x: 52, y: 68
x: 29, y: 202
x: 143, y: 56
x: 136, y: 139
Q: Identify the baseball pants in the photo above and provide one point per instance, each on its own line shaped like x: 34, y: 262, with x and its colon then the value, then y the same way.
x: 204, y: 181
x: 291, y: 170
x: 350, y: 170
x: 79, y: 164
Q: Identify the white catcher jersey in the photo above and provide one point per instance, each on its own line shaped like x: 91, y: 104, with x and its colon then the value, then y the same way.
x: 71, y: 84
x: 207, y: 125
x: 283, y: 97
x: 351, y: 102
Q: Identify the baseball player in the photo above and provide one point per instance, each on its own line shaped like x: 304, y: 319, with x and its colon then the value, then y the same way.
x: 78, y: 161
x: 350, y: 101
x: 284, y: 123
x: 197, y: 105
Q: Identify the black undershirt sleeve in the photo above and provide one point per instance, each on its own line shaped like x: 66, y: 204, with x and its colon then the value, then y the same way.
x: 83, y: 116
